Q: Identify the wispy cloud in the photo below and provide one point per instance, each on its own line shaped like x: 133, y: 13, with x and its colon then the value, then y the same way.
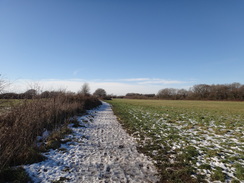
x: 162, y: 81
x: 75, y: 72
x: 112, y: 86
x: 153, y: 81
x: 135, y: 79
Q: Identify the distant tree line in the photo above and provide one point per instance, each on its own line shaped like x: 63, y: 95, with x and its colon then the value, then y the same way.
x: 139, y: 96
x: 233, y: 91
x: 30, y: 94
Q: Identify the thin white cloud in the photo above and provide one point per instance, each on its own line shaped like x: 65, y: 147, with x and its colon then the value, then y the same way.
x: 117, y: 87
x: 75, y: 72
x: 135, y: 79
x: 152, y: 81
x: 162, y: 81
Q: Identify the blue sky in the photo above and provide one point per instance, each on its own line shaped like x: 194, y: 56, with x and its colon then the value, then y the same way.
x: 122, y: 46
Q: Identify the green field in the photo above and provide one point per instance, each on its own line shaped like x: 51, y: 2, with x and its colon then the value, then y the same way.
x: 190, y: 141
x: 6, y: 104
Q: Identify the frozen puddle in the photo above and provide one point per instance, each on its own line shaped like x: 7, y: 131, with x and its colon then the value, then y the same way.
x: 100, y: 151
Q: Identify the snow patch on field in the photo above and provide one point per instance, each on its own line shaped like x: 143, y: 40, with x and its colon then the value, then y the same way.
x: 218, y: 144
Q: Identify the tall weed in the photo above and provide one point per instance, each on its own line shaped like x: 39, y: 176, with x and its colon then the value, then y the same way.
x: 21, y: 125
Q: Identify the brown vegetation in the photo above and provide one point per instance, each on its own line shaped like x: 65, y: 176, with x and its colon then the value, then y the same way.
x: 22, y: 124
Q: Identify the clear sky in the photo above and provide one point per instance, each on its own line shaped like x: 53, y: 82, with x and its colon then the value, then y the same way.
x: 121, y: 45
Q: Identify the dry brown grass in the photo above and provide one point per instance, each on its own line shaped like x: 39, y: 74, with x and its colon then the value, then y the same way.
x: 23, y: 123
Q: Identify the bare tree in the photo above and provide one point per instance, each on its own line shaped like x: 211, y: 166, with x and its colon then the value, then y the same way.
x: 201, y: 91
x: 235, y: 91
x: 167, y: 93
x: 182, y: 94
x: 242, y: 92
x: 85, y: 89
x: 34, y: 86
x: 100, y: 93
x: 3, y: 84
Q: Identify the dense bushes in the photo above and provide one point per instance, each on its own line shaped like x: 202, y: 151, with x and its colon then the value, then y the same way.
x: 139, y: 96
x: 21, y: 125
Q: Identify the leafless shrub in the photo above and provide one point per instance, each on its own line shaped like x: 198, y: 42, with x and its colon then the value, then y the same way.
x: 3, y: 84
x: 85, y: 89
x: 20, y: 127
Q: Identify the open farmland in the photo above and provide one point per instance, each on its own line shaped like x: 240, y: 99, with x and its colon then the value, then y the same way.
x: 190, y: 141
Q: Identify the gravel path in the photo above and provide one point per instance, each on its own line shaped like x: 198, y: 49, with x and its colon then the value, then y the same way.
x: 100, y: 151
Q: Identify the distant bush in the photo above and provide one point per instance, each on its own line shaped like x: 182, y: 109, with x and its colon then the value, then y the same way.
x: 107, y: 98
x: 9, y: 96
x: 139, y: 96
x: 101, y: 93
x: 30, y: 94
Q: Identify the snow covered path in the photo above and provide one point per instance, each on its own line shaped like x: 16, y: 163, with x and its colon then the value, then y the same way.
x: 100, y: 151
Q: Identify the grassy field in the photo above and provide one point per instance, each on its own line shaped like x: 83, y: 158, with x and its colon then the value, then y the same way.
x: 190, y: 141
x: 5, y: 104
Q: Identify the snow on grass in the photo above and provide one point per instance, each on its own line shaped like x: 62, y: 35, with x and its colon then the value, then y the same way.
x: 215, y: 144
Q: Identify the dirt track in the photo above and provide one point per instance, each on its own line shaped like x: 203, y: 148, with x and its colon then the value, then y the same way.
x: 99, y: 152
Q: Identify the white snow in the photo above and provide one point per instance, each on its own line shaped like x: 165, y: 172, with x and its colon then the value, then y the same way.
x: 100, y: 152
